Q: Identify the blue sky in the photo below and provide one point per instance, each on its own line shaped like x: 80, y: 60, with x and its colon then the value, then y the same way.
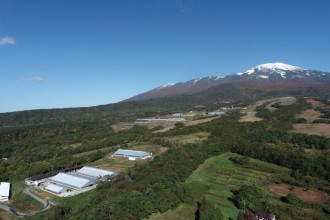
x: 70, y: 53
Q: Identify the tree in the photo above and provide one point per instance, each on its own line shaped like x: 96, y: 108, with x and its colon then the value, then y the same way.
x: 207, y: 211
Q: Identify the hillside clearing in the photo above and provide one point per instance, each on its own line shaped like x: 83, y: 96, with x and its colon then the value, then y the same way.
x: 310, y: 115
x: 313, y: 129
x: 189, y: 138
x: 310, y: 195
x: 249, y: 114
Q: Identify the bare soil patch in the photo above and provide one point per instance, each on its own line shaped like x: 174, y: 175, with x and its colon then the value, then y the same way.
x: 250, y: 117
x: 315, y: 103
x: 196, y: 122
x: 279, y: 189
x: 313, y: 129
x: 310, y: 195
x: 310, y: 115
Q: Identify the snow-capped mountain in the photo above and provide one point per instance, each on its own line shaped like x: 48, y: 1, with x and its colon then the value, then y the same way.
x: 269, y: 73
x: 281, y: 71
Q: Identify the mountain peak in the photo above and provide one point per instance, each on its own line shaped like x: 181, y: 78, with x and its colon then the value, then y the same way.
x: 273, y: 67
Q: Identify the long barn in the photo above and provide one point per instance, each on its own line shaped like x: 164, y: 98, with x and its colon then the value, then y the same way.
x: 132, y: 154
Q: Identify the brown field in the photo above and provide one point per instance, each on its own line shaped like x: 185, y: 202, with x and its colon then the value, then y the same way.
x: 196, y: 122
x: 250, y: 113
x: 310, y: 115
x: 187, y: 123
x: 313, y: 129
x: 310, y: 195
x: 164, y: 129
x: 250, y: 117
x: 315, y: 103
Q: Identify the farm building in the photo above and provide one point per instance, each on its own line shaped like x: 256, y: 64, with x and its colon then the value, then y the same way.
x: 160, y: 119
x: 95, y: 173
x: 4, y: 191
x: 72, y: 181
x: 56, y: 188
x: 261, y: 215
x: 215, y: 113
x: 132, y: 154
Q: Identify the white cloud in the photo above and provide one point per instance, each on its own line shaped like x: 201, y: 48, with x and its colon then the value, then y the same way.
x: 35, y: 79
x: 7, y: 40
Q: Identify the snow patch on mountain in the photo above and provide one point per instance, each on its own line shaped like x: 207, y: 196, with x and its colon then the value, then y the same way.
x: 165, y: 86
x: 280, y: 68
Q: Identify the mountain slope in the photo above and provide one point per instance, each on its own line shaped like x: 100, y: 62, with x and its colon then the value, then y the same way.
x: 273, y: 74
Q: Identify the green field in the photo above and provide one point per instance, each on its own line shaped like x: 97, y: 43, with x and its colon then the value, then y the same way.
x: 220, y: 175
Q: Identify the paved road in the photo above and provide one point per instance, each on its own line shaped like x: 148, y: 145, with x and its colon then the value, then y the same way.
x: 17, y: 213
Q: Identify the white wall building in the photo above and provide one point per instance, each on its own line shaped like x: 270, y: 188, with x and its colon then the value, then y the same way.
x: 132, y: 154
x: 57, y: 189
x: 72, y: 181
x: 95, y: 173
x: 4, y: 191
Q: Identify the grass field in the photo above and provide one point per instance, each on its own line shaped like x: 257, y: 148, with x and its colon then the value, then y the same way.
x: 188, y: 139
x: 220, y: 176
x: 123, y: 164
x: 20, y: 201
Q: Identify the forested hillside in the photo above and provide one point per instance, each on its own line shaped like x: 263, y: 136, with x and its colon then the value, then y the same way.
x: 159, y: 185
x: 243, y: 92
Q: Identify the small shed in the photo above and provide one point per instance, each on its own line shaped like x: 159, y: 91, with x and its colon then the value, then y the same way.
x: 4, y: 191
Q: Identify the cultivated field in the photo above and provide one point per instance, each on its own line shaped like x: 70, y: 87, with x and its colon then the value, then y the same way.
x: 311, y: 115
x: 310, y: 195
x: 313, y: 129
x: 219, y: 176
x: 186, y: 123
x: 250, y: 112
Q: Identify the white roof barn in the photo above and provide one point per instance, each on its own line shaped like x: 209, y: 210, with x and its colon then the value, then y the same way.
x: 132, y: 154
x: 94, y: 172
x: 4, y: 191
x: 72, y: 181
x: 56, y: 188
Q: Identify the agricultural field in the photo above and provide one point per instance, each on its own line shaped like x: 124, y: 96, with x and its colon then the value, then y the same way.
x: 249, y: 114
x: 310, y: 115
x: 188, y: 139
x: 219, y: 176
x: 313, y: 129
x: 123, y: 164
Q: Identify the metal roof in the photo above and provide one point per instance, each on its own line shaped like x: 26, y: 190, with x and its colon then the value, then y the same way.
x: 55, y: 188
x: 73, y: 181
x: 94, y: 172
x: 131, y: 153
x: 4, y: 189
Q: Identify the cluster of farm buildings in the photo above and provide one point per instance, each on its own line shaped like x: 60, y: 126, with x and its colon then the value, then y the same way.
x: 80, y: 180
